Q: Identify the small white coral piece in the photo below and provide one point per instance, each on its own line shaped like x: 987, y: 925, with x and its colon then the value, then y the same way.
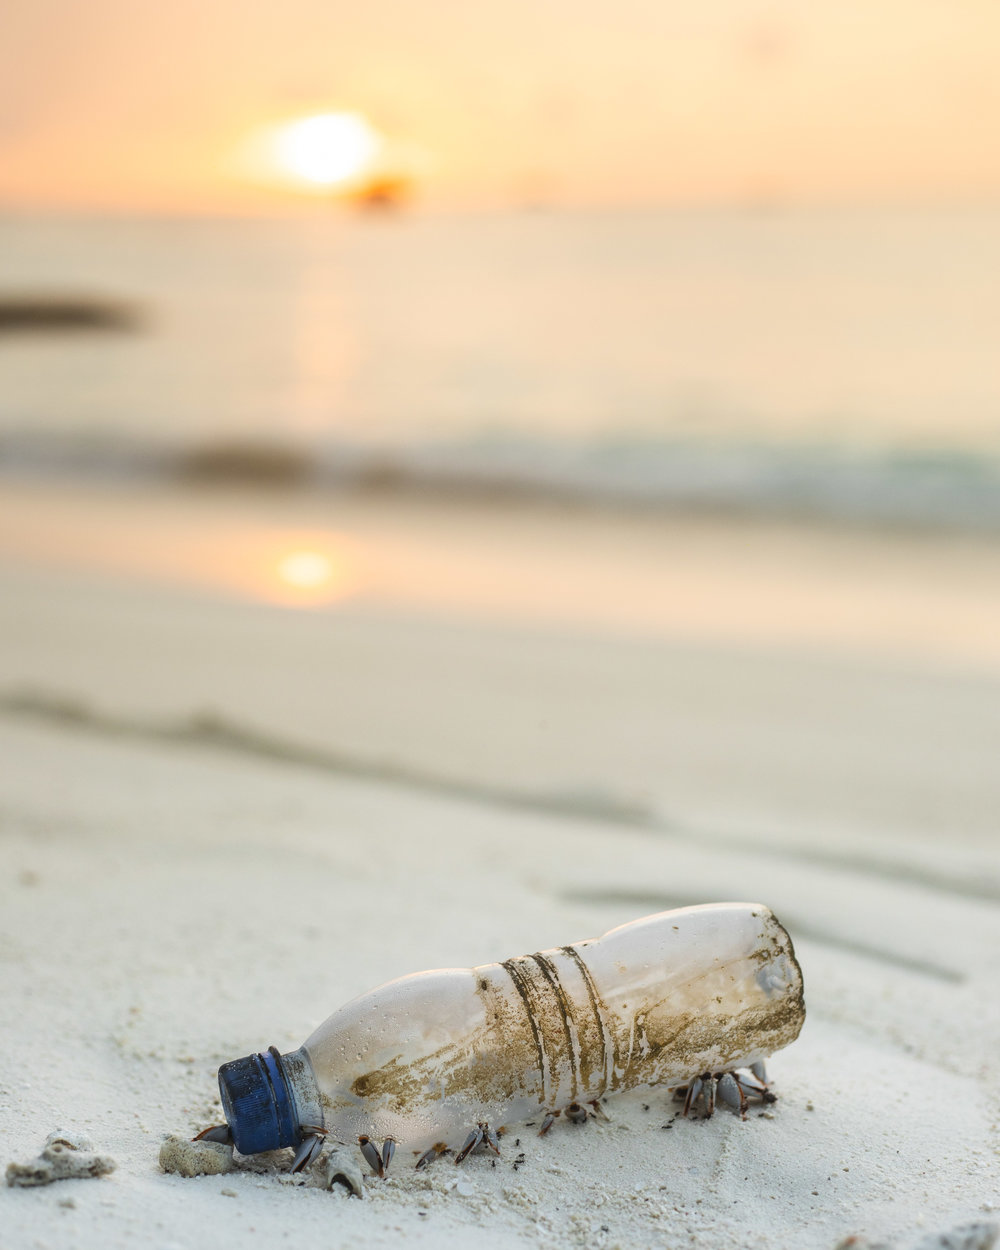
x: 61, y: 1159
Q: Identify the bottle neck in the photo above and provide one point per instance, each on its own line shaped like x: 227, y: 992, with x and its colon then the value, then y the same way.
x: 301, y: 1079
x: 270, y: 1100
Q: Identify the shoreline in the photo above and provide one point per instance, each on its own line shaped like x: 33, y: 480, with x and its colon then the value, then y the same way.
x: 917, y: 596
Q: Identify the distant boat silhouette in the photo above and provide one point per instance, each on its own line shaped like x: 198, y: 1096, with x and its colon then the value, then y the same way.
x: 387, y: 192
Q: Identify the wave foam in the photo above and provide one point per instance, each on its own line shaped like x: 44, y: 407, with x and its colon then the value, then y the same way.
x: 929, y: 488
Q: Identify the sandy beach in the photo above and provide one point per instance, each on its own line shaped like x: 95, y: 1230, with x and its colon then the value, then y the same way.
x: 473, y: 477
x: 226, y: 811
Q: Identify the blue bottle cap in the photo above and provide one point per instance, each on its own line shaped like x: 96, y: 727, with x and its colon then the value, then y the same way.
x: 258, y: 1103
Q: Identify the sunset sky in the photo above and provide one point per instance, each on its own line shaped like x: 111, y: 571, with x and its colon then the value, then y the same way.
x: 140, y: 105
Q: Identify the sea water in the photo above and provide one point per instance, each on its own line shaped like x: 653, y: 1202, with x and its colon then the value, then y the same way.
x: 844, y: 363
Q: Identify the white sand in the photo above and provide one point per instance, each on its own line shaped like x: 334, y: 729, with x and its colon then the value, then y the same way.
x: 167, y: 903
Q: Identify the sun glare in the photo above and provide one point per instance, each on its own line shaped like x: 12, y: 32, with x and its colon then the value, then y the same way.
x: 306, y: 570
x: 329, y: 148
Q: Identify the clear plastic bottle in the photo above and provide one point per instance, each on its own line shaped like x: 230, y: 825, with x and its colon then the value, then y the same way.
x: 425, y: 1058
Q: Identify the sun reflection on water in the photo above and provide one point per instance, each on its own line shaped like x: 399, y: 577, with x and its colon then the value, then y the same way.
x: 309, y: 575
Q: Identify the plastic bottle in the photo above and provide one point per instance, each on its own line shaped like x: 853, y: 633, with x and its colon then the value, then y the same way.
x: 426, y: 1058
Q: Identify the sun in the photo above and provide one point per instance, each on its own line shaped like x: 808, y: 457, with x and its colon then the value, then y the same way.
x: 328, y: 148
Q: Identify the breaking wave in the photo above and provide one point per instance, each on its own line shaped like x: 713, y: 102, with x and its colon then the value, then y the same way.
x: 914, y: 488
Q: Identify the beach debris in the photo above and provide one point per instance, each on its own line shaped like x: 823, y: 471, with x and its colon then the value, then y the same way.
x: 982, y: 1235
x: 856, y: 1242
x: 206, y: 1157
x: 692, y: 999
x: 195, y: 1158
x: 339, y: 1167
x: 64, y: 1157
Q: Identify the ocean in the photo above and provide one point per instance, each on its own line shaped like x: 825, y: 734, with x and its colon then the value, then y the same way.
x: 841, y: 364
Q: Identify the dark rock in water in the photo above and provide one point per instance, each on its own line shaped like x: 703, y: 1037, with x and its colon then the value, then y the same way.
x: 239, y: 463
x: 54, y: 314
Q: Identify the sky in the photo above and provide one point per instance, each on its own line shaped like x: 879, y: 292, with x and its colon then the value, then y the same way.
x: 141, y: 105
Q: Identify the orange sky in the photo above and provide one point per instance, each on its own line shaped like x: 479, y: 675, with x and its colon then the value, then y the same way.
x: 140, y: 104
